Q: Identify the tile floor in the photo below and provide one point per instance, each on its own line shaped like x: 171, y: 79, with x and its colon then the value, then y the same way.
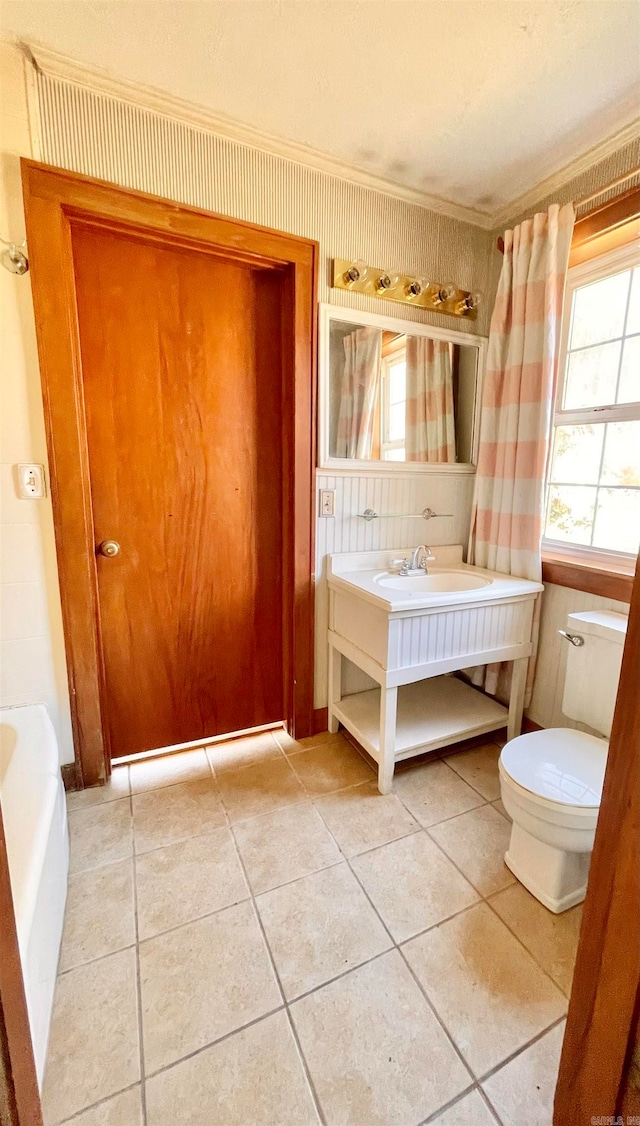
x: 255, y: 937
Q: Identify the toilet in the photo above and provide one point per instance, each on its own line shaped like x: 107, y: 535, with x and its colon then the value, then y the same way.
x: 551, y: 780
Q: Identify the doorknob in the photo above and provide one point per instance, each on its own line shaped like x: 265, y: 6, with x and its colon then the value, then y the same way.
x: 109, y: 548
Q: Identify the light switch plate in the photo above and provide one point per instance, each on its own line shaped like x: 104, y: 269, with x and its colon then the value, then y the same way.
x: 327, y: 502
x: 30, y: 481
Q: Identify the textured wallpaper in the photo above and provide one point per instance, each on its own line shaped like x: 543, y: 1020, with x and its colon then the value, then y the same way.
x: 136, y: 148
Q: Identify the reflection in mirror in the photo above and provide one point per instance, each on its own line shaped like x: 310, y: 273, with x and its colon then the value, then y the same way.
x: 396, y: 397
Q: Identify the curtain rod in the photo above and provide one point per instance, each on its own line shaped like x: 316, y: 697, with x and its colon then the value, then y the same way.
x: 594, y: 195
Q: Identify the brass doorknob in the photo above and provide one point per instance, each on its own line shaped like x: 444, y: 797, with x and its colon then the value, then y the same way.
x: 109, y: 548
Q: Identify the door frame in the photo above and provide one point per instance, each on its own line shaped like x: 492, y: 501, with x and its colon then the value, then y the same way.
x: 53, y: 198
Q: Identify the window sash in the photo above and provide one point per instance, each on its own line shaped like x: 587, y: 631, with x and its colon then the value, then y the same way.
x: 616, y: 261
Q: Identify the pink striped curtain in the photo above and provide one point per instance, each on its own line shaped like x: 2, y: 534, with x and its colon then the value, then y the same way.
x: 359, y: 393
x: 430, y: 429
x: 517, y: 403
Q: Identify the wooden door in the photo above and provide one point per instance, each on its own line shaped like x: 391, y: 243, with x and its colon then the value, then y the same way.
x: 182, y: 386
x: 177, y: 359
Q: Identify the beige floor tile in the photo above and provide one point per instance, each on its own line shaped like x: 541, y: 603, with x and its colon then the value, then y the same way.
x: 476, y: 842
x: 479, y: 767
x: 202, y: 981
x: 413, y: 885
x: 375, y: 1051
x: 122, y: 1110
x: 99, y: 917
x: 318, y: 927
x: 330, y: 766
x: 552, y: 939
x: 490, y: 994
x: 99, y: 835
x: 499, y: 805
x: 167, y: 770
x: 472, y: 1110
x: 361, y: 817
x: 294, y: 746
x: 93, y: 1047
x: 253, y: 1078
x: 285, y: 845
x: 236, y: 753
x: 176, y: 813
x: 523, y: 1090
x: 187, y: 880
x: 116, y: 787
x: 259, y: 789
x: 432, y: 792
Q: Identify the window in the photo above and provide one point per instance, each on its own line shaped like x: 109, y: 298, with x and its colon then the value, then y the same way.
x: 393, y: 406
x: 593, y: 495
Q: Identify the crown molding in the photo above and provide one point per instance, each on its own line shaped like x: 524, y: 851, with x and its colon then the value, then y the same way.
x: 567, y: 173
x: 54, y: 65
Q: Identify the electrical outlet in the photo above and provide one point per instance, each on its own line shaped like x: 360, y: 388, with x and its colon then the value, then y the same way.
x: 327, y: 502
x: 30, y: 481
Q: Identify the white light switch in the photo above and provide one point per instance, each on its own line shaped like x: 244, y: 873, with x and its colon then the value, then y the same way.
x: 327, y: 502
x: 30, y: 481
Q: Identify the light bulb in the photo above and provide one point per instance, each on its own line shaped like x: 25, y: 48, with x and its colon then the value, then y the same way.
x: 446, y: 292
x: 356, y: 272
x: 414, y: 288
x: 387, y: 281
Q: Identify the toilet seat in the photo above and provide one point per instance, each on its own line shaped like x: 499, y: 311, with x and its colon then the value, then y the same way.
x: 558, y: 766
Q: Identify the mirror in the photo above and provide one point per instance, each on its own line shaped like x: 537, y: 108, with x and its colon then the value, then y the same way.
x: 396, y: 392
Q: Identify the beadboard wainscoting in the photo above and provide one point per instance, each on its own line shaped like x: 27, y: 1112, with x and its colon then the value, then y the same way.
x: 403, y: 494
x: 557, y: 602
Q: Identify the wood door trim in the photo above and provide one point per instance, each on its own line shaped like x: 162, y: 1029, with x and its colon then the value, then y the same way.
x: 605, y: 998
x: 53, y: 199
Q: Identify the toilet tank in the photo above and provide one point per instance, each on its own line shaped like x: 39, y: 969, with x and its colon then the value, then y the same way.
x: 593, y: 669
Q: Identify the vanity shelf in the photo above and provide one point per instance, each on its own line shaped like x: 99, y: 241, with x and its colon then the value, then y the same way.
x: 431, y: 714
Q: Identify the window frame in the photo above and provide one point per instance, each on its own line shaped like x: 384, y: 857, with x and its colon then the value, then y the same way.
x: 394, y: 353
x: 593, y: 270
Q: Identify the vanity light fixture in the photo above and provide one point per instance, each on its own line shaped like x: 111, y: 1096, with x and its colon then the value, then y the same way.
x: 439, y: 297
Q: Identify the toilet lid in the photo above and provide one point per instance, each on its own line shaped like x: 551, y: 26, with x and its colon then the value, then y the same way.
x: 558, y: 763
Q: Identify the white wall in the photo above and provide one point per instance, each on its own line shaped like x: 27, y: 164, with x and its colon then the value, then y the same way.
x: 32, y: 663
x: 557, y: 602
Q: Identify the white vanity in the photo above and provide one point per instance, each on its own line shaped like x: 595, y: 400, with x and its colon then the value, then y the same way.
x: 407, y: 633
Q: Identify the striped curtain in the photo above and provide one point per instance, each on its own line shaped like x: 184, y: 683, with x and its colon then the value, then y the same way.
x: 359, y: 393
x: 430, y: 429
x: 517, y: 403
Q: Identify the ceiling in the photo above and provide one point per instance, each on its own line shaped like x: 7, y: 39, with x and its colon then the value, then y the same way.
x: 473, y: 101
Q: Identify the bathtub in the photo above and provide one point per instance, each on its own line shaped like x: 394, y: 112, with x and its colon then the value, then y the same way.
x: 35, y: 824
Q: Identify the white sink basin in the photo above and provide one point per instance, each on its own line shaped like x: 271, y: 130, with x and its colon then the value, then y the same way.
x: 437, y: 582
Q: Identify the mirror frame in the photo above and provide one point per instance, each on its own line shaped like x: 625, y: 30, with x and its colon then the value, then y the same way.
x: 342, y: 465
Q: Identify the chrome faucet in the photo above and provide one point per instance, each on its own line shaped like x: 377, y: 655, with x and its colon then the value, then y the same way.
x: 416, y: 564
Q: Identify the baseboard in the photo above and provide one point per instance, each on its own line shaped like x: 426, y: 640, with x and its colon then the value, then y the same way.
x: 530, y: 725
x: 69, y: 772
x: 320, y: 720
